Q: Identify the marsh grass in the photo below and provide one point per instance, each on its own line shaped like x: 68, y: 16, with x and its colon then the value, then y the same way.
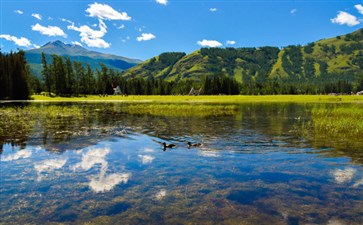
x: 339, y: 127
x: 181, y: 109
x: 228, y: 99
x: 339, y: 121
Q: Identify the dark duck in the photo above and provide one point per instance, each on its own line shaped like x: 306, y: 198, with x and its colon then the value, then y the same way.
x: 165, y: 145
x: 194, y: 144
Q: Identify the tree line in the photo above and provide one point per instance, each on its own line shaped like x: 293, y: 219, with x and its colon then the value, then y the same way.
x: 14, y: 76
x: 64, y: 77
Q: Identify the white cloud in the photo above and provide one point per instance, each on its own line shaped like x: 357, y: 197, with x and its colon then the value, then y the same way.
x: 145, y: 37
x: 209, y: 43
x: 344, y: 18
x: 213, y: 9
x: 22, y: 42
x: 103, y: 11
x: 359, y: 7
x: 91, y: 37
x: 230, y: 42
x: 293, y: 11
x: 121, y: 26
x: 342, y: 176
x: 162, y: 2
x: 50, y: 18
x: 146, y: 159
x: 36, y: 15
x: 65, y: 20
x: 19, y: 12
x: 49, y: 31
x: 36, y: 46
x: 77, y: 43
x: 22, y: 154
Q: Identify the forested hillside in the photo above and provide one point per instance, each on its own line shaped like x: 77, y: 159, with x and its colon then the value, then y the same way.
x: 330, y: 65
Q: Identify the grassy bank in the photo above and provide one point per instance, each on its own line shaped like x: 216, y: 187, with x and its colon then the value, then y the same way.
x: 209, y: 99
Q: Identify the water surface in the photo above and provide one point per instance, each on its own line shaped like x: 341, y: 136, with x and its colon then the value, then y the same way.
x: 109, y: 167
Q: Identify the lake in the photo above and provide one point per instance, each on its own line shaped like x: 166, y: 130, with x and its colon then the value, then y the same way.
x: 94, y: 163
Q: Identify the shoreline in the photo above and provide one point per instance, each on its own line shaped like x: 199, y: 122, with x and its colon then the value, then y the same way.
x: 199, y: 99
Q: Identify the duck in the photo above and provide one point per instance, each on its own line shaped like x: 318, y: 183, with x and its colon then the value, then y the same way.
x: 165, y: 145
x: 194, y: 144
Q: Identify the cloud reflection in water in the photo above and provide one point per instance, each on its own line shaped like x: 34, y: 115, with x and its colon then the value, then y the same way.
x: 160, y: 195
x: 343, y: 176
x: 48, y: 166
x: 101, y: 182
x: 146, y: 159
x: 21, y: 154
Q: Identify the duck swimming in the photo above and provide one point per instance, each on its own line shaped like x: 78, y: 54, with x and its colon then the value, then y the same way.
x: 194, y: 144
x: 165, y: 145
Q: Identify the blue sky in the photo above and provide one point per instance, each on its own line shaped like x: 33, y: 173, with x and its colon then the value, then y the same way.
x: 145, y: 28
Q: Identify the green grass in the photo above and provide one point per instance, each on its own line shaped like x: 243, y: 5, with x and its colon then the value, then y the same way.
x: 180, y: 109
x: 339, y: 121
x: 209, y: 99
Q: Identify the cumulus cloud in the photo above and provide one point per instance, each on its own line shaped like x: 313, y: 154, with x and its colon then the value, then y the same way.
x: 209, y: 43
x: 77, y: 43
x: 37, y: 16
x: 49, y: 30
x: 22, y: 42
x: 345, y: 175
x: 145, y: 37
x: 359, y: 7
x: 91, y: 37
x: 344, y: 18
x: 162, y: 2
x: 22, y: 154
x: 230, y: 42
x: 213, y: 9
x: 106, y: 12
x: 18, y: 12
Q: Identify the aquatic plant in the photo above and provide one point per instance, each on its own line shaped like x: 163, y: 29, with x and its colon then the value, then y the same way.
x: 180, y: 109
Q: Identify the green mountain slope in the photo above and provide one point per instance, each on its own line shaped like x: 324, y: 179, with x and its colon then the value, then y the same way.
x: 77, y: 53
x: 328, y: 60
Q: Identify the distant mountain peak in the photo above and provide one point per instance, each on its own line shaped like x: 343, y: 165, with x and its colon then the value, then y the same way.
x: 78, y: 53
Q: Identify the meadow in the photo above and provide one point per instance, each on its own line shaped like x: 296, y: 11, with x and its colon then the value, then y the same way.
x: 236, y: 99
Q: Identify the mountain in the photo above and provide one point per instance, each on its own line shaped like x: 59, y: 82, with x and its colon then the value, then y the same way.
x: 77, y: 53
x: 328, y: 60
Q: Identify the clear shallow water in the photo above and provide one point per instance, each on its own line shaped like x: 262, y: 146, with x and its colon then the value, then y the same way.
x: 109, y: 168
